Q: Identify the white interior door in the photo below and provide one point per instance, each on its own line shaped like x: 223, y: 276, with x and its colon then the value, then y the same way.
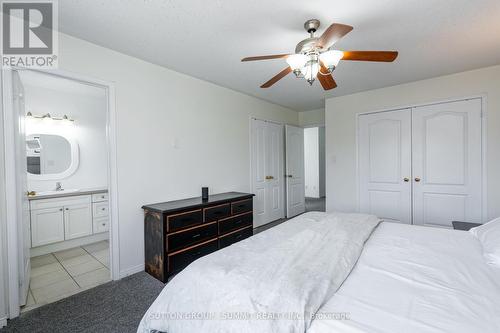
x: 23, y: 213
x: 295, y: 182
x: 384, y: 150
x: 447, y: 175
x: 267, y: 171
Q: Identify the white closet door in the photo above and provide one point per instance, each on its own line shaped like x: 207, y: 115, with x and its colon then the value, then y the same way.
x: 295, y: 182
x: 267, y: 171
x: 385, y: 165
x: 275, y: 172
x: 447, y: 166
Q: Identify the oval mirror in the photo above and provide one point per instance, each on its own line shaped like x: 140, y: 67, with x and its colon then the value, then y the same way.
x: 50, y: 156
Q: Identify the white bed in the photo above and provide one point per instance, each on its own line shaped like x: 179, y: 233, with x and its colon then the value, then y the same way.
x: 407, y: 278
x: 417, y: 279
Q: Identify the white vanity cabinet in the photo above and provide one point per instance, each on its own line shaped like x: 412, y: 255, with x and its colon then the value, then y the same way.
x: 65, y: 218
x: 47, y: 226
x: 77, y: 220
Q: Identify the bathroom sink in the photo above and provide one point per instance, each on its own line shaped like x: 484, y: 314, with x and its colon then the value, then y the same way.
x: 56, y: 192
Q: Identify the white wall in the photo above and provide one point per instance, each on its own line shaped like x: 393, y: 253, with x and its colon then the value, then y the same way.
x: 312, y: 117
x: 311, y: 162
x: 88, y: 109
x: 157, y: 107
x: 341, y: 128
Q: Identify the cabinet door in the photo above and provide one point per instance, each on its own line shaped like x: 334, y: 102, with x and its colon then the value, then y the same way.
x: 77, y: 221
x: 47, y: 226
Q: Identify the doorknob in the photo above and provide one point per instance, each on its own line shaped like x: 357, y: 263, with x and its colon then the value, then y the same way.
x: 406, y: 179
x: 417, y: 179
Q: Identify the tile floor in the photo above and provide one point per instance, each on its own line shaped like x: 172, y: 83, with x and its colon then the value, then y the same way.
x: 60, y: 274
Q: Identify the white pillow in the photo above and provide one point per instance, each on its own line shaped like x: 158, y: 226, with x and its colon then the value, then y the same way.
x: 489, y: 236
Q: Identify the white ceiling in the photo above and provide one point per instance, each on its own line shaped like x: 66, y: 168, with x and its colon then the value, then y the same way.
x: 207, y: 39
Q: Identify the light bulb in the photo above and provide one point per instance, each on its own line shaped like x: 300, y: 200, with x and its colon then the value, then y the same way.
x: 331, y: 58
x: 296, y: 61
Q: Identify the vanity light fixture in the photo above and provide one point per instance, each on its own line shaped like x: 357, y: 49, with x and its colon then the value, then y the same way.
x: 48, y: 117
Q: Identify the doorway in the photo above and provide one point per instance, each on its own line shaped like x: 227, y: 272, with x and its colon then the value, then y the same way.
x: 277, y: 170
x: 314, y: 166
x: 62, y: 154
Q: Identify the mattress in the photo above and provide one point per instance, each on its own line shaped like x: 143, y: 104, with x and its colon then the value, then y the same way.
x: 416, y: 279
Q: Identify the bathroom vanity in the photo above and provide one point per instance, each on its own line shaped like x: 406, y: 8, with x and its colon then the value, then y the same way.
x: 68, y: 218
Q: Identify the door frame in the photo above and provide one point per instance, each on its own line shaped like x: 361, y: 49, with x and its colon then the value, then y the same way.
x: 283, y: 185
x: 484, y: 129
x: 10, y: 226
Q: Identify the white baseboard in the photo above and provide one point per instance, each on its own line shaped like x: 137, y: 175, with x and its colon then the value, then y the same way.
x: 66, y: 245
x: 131, y: 270
x: 3, y: 322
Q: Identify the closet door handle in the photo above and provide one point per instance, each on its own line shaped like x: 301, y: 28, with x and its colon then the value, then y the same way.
x: 406, y: 179
x: 417, y: 179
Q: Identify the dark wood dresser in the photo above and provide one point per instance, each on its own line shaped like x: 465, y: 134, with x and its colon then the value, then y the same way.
x: 178, y: 232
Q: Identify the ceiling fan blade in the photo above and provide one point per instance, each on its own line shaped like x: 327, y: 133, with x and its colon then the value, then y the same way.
x: 266, y: 57
x: 325, y: 78
x: 383, y: 56
x: 333, y: 34
x: 277, y: 77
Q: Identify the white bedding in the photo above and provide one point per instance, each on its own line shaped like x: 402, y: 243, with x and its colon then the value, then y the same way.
x: 290, y: 270
x: 417, y: 279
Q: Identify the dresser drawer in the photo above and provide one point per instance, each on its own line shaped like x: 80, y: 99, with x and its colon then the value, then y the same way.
x: 101, y: 225
x: 98, y: 197
x: 100, y: 209
x: 182, y: 239
x: 235, y: 237
x: 178, y: 261
x: 242, y: 206
x: 184, y: 220
x: 235, y: 222
x: 217, y: 212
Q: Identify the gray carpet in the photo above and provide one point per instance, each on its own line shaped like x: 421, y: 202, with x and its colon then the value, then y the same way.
x: 315, y: 204
x: 112, y: 307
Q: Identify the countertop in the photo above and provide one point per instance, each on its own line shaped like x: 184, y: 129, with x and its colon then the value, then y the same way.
x: 172, y: 206
x: 66, y: 193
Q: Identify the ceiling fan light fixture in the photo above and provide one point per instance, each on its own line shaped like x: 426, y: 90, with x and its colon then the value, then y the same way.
x: 331, y: 58
x: 296, y: 61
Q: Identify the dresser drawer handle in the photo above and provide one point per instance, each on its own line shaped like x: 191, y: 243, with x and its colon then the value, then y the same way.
x: 196, y: 236
x: 239, y: 236
x: 242, y: 206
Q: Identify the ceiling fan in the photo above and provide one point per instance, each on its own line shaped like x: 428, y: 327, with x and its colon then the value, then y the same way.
x: 315, y: 56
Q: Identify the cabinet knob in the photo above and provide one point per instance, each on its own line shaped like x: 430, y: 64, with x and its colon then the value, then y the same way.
x: 417, y: 179
x: 60, y: 209
x: 67, y: 208
x: 406, y: 179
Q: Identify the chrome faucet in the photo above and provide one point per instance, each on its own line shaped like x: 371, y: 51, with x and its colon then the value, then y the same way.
x: 59, y: 186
